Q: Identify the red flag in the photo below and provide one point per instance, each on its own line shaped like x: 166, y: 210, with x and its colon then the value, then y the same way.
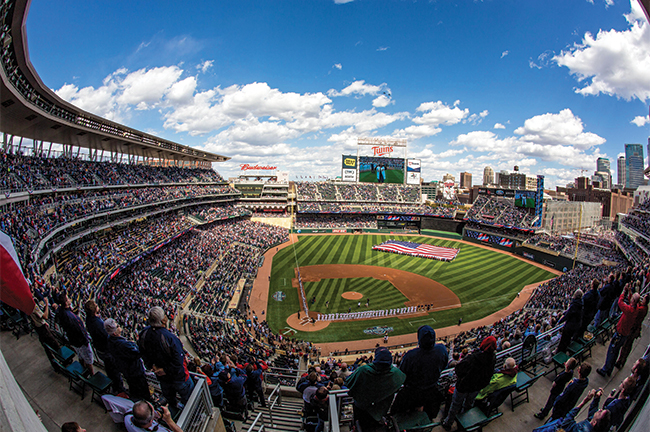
x: 13, y: 287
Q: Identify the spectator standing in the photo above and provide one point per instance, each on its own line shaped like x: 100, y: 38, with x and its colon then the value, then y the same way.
x: 128, y: 361
x: 162, y: 351
x: 422, y: 367
x: 634, y: 333
x: 572, y: 321
x: 39, y: 317
x: 76, y: 332
x: 569, y: 397
x: 473, y: 373
x: 372, y: 387
x: 623, y: 328
x: 560, y: 381
x: 95, y: 326
x: 589, y: 306
x: 606, y: 300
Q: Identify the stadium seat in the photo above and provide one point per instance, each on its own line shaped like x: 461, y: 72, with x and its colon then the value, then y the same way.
x: 64, y: 354
x: 558, y: 361
x: 413, y: 421
x: 524, y: 382
x: 73, y: 373
x: 474, y: 419
x: 99, y: 383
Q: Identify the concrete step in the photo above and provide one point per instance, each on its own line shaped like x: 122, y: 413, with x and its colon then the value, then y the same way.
x: 286, y: 417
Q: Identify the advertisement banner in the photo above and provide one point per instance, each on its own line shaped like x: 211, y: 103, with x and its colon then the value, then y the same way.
x: 413, y: 168
x: 348, y: 175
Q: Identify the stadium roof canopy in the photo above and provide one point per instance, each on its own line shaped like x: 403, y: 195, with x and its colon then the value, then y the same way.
x: 29, y: 109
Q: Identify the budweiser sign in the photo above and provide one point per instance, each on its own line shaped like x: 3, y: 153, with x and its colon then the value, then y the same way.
x: 380, y: 151
x: 247, y: 167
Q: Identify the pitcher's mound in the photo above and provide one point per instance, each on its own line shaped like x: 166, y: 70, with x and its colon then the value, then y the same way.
x: 351, y: 295
x: 304, y: 324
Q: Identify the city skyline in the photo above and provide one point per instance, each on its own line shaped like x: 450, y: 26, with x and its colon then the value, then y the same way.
x: 293, y: 84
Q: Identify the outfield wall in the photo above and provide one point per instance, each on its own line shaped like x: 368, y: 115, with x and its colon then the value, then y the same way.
x: 442, y: 224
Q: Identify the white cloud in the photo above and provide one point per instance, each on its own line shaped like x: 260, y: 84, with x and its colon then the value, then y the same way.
x: 476, y: 118
x: 558, y: 138
x: 382, y: 48
x: 338, y: 66
x: 505, y: 53
x: 499, y: 126
x: 145, y: 88
x: 381, y: 101
x: 359, y: 88
x: 615, y: 63
x: 641, y: 120
x: 342, y: 1
x: 203, y: 67
x: 437, y: 113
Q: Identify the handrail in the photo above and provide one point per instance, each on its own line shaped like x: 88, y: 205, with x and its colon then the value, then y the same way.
x: 198, y: 410
x: 272, y: 402
x: 258, y: 418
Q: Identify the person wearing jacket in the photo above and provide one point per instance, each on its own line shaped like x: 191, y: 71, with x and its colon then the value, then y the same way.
x: 372, y: 387
x: 596, y: 421
x: 473, y: 373
x: 95, y: 327
x: 500, y: 380
x: 76, y: 332
x: 422, y: 366
x: 560, y: 381
x: 126, y: 357
x: 571, y: 394
x: 624, y: 328
x: 162, y: 351
x: 618, y: 403
x: 572, y: 321
x: 254, y: 382
x: 589, y: 306
x: 233, y: 380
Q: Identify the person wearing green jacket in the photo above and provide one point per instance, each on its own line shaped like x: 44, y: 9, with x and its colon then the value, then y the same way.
x: 372, y: 386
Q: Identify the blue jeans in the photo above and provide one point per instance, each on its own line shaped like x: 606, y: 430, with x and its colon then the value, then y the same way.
x: 460, y: 402
x: 600, y: 317
x: 612, y: 352
x: 183, y: 388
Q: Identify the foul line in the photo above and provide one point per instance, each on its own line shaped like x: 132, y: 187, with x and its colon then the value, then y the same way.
x: 431, y: 320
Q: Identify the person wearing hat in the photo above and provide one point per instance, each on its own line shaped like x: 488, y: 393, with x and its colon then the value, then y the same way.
x: 232, y: 379
x: 422, y: 366
x: 372, y: 387
x: 473, y: 373
x: 162, y: 352
x: 127, y: 359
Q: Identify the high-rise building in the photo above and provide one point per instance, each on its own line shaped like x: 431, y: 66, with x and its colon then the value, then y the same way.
x: 465, y: 180
x: 488, y: 176
x: 634, y: 163
x: 602, y: 165
x: 620, y: 168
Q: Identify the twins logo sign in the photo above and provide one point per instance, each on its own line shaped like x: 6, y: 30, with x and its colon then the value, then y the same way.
x: 378, y: 330
x: 279, y: 296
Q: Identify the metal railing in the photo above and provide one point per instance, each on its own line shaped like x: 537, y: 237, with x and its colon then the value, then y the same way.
x: 198, y: 410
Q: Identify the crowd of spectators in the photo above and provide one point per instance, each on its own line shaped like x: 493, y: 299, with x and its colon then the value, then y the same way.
x: 23, y: 172
x: 335, y: 221
x: 498, y: 211
x: 376, y: 208
x: 357, y: 192
x: 591, y: 250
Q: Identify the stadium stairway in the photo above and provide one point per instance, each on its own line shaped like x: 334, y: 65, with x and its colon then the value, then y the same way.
x: 286, y: 417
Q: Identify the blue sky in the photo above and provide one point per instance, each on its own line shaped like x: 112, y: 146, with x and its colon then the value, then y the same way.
x: 549, y: 86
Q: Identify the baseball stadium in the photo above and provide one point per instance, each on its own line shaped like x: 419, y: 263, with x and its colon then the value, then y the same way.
x: 142, y: 290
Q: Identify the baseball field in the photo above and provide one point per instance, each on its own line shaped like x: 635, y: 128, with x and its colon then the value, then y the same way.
x: 342, y: 273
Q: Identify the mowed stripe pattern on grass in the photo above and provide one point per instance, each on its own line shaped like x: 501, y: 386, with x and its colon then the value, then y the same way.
x: 381, y: 293
x: 484, y: 280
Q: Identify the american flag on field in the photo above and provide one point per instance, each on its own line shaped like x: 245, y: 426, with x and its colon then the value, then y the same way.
x: 417, y: 250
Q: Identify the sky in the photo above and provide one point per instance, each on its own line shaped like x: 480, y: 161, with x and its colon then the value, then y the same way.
x: 548, y: 86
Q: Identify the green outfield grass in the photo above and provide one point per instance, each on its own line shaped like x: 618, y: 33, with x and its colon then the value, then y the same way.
x: 484, y: 280
x: 392, y: 176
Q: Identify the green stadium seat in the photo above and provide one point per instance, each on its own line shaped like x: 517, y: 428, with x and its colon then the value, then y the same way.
x: 415, y: 421
x: 474, y: 419
x: 558, y: 361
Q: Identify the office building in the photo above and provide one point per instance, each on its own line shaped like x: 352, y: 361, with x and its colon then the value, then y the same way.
x: 465, y: 180
x: 488, y: 176
x: 620, y: 168
x: 634, y: 163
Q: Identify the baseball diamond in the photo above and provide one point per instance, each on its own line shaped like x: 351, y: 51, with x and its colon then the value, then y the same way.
x: 476, y: 284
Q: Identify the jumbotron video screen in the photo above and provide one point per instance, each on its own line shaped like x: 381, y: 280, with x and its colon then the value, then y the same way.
x: 381, y: 170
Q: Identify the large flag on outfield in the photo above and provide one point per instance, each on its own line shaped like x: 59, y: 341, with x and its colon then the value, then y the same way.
x: 418, y: 249
x: 13, y: 287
